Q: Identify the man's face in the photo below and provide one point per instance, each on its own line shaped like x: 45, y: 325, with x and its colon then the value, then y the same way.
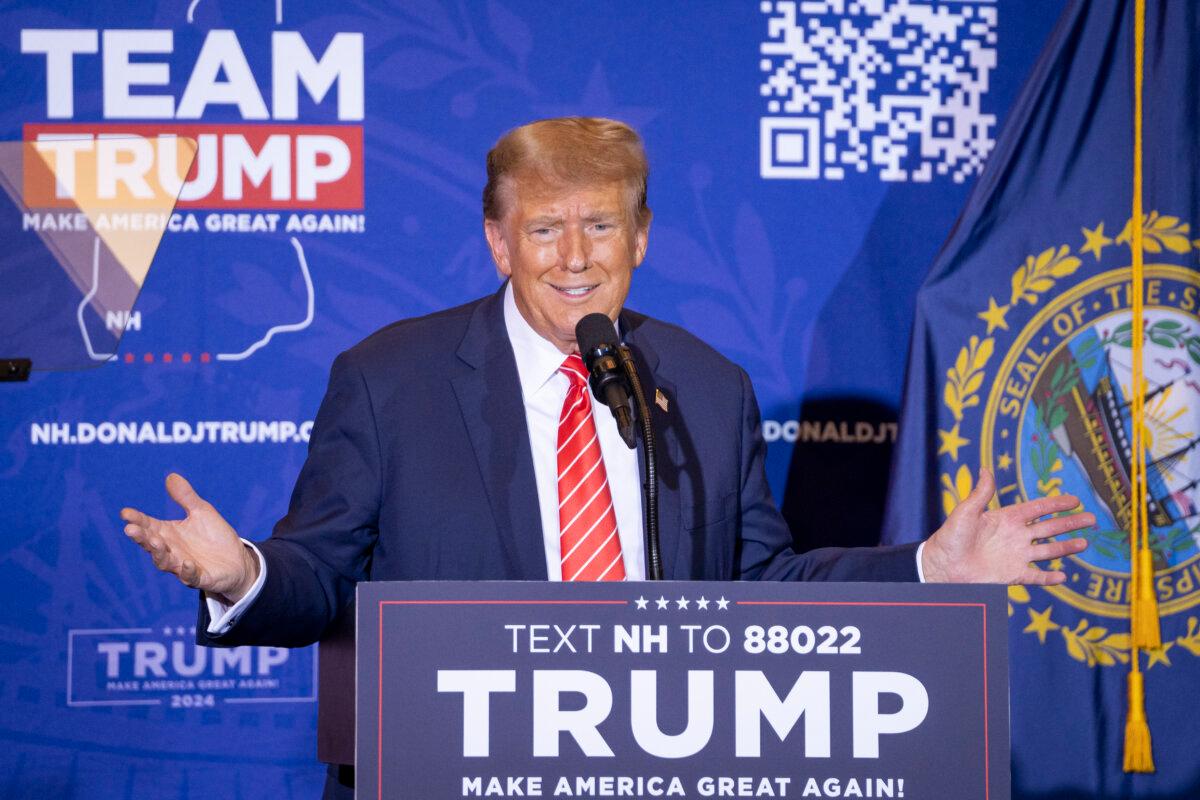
x: 570, y: 252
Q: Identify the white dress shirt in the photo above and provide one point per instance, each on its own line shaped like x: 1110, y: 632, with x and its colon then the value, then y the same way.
x: 543, y: 389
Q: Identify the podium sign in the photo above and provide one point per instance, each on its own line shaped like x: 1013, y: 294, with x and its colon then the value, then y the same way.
x: 690, y: 690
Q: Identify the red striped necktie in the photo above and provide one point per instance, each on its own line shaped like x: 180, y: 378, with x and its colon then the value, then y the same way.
x: 587, y: 523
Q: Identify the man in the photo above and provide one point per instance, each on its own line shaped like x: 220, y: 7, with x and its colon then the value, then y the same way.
x: 462, y: 445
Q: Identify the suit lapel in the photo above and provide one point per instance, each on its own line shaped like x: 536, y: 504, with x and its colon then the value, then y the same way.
x: 665, y: 422
x: 490, y: 399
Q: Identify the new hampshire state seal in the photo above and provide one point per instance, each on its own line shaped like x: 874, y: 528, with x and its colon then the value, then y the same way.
x: 1045, y: 405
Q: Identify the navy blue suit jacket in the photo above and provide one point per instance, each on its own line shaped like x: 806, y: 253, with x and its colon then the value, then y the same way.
x: 419, y: 468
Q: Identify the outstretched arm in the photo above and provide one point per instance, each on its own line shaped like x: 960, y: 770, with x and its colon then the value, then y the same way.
x: 976, y: 545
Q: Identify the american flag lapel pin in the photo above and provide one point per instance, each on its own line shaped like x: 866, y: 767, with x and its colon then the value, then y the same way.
x: 660, y: 400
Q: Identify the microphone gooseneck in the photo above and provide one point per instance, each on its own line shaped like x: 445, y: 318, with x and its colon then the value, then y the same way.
x: 654, y: 570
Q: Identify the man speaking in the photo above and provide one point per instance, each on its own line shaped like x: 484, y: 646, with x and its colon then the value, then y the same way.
x: 466, y: 445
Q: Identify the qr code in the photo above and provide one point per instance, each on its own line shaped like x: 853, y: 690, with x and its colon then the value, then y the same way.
x: 890, y: 86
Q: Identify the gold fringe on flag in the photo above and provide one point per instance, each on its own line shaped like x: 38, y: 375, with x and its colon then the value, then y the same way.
x: 1143, y: 604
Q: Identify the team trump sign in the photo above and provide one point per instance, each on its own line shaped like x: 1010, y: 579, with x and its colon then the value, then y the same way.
x: 710, y: 690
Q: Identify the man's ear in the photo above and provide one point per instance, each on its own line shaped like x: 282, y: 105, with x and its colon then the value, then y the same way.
x: 494, y: 231
x: 643, y: 239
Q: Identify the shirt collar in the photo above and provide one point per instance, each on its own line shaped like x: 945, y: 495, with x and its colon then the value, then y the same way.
x: 537, y: 358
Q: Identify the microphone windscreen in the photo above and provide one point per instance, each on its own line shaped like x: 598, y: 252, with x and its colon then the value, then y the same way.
x: 593, y: 331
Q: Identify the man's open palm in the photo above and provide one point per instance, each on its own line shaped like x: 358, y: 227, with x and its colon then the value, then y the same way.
x: 978, y: 545
x: 202, y: 549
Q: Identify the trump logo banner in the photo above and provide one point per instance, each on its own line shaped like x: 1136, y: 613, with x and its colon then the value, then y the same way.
x: 681, y: 690
x: 243, y: 189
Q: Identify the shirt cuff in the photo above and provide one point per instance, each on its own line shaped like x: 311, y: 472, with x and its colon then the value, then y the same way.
x: 222, y: 617
x: 920, y: 572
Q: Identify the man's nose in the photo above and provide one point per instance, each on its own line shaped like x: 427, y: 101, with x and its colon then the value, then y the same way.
x: 573, y: 248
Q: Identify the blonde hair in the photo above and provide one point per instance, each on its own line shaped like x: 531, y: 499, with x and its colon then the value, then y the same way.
x: 568, y: 151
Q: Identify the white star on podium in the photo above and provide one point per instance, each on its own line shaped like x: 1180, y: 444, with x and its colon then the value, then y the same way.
x: 661, y: 602
x: 702, y: 604
x: 641, y: 603
x: 722, y: 604
x: 682, y: 603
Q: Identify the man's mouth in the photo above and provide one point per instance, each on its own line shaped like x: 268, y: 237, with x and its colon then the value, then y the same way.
x: 575, y: 291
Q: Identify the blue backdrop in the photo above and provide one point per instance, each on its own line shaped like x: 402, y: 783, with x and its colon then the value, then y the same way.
x: 808, y: 160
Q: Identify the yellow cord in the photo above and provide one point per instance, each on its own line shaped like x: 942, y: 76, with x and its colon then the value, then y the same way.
x: 1143, y: 604
x: 1137, y: 311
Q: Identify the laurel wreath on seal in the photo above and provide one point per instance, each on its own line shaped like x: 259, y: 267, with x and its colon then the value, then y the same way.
x: 1093, y: 645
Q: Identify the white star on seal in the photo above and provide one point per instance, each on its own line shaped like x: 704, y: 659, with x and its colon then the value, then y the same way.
x: 702, y: 604
x: 641, y: 603
x: 661, y: 602
x: 722, y: 604
x: 682, y: 603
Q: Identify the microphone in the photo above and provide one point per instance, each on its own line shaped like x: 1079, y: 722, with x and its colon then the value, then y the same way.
x: 597, y: 340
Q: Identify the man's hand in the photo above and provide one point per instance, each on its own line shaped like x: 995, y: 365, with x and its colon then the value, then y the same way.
x: 202, y: 550
x: 980, y: 546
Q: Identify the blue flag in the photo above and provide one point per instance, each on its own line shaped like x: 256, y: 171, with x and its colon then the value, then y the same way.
x: 1021, y: 363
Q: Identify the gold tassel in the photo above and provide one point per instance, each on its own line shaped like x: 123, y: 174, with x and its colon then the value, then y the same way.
x: 1138, y: 755
x: 1144, y: 608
